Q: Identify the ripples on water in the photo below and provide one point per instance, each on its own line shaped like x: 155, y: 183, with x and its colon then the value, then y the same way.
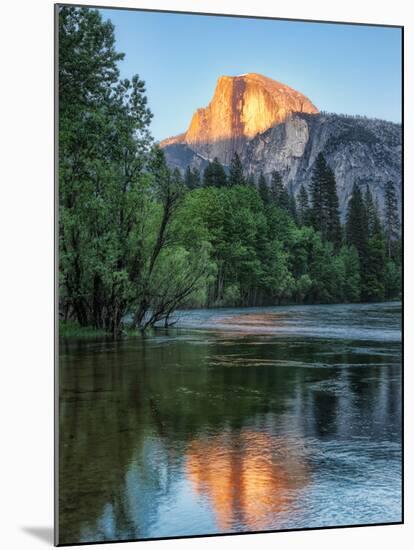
x: 362, y: 321
x: 236, y: 420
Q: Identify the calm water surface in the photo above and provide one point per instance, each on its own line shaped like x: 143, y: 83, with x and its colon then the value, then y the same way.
x: 235, y: 420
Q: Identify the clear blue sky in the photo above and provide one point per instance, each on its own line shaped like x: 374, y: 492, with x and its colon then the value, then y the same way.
x: 341, y: 68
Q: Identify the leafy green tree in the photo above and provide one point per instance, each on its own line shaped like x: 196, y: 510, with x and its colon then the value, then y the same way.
x: 392, y: 280
x: 351, y: 270
x: 118, y: 199
x: 88, y: 60
x: 236, y: 175
x: 103, y: 143
x: 277, y: 281
x: 214, y: 174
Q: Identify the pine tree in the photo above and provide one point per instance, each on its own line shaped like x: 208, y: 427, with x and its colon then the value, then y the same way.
x: 236, y: 176
x: 188, y: 178
x: 303, y: 206
x: 196, y: 178
x: 370, y: 208
x: 371, y: 249
x: 392, y: 219
x: 331, y: 206
x: 263, y: 189
x: 317, y: 193
x: 356, y: 223
x: 250, y: 180
x: 293, y: 207
x: 214, y: 174
x: 192, y: 178
x: 325, y: 205
x: 278, y: 191
x: 373, y: 288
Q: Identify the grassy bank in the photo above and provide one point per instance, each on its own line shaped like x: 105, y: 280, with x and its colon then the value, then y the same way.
x: 68, y: 329
x: 72, y: 329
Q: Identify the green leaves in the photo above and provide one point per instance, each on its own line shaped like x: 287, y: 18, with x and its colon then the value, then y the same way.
x: 138, y: 238
x: 214, y: 174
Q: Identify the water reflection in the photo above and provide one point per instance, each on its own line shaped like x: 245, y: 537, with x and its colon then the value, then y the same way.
x: 186, y: 433
x: 248, y: 477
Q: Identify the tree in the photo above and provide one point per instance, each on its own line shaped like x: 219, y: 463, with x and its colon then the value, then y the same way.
x: 192, y: 178
x: 351, y: 270
x: 169, y: 188
x: 118, y: 199
x: 103, y: 143
x: 303, y: 206
x: 392, y: 219
x: 87, y: 60
x: 373, y: 287
x: 278, y: 191
x: 371, y: 211
x: 331, y: 207
x: 293, y: 207
x: 263, y: 189
x: 364, y: 232
x: 317, y: 192
x: 356, y: 222
x: 236, y: 175
x: 325, y: 205
x: 214, y: 174
x: 392, y: 280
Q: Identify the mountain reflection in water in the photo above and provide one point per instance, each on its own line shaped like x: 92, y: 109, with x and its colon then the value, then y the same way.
x: 249, y: 477
x: 200, y: 430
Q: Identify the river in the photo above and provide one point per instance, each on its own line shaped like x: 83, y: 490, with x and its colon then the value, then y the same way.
x: 233, y: 420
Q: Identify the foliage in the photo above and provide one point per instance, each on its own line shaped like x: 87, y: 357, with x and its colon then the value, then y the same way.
x: 279, y: 193
x: 365, y: 232
x: 214, y: 174
x: 139, y: 240
x: 263, y: 189
x: 325, y: 205
x: 192, y: 178
x: 392, y: 219
x: 303, y: 211
x: 236, y: 175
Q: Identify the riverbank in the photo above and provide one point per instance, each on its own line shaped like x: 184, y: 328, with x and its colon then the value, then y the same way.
x: 258, y: 319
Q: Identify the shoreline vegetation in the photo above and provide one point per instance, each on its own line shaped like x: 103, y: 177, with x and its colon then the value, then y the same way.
x: 138, y: 239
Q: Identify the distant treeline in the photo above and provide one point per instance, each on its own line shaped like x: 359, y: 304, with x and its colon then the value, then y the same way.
x: 139, y: 239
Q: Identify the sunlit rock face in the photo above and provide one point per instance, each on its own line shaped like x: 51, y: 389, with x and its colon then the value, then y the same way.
x: 273, y: 127
x: 242, y: 107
